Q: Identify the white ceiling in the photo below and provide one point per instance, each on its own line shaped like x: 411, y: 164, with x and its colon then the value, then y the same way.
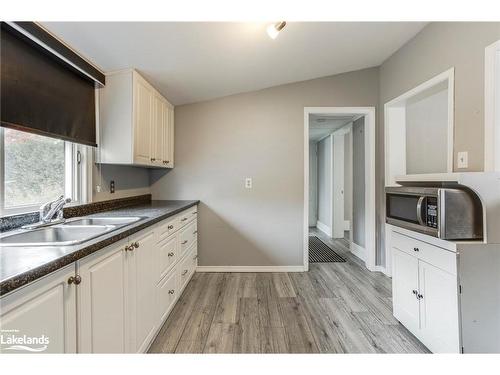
x: 322, y: 125
x: 194, y: 61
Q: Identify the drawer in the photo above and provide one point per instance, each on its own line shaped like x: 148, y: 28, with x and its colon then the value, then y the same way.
x: 168, y: 254
x: 168, y: 227
x: 188, y: 215
x: 167, y: 293
x: 434, y: 255
x: 187, y: 236
x: 187, y: 267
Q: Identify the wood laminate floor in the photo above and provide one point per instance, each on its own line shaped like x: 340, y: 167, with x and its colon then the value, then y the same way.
x: 333, y: 308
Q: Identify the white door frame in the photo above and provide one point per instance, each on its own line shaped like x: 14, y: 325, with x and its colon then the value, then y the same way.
x: 369, y: 113
x: 492, y: 107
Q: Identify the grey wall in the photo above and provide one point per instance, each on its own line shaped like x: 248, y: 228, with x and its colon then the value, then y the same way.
x: 313, y: 183
x: 325, y: 181
x: 260, y: 135
x: 427, y: 133
x: 438, y: 47
x: 358, y: 182
x: 129, y: 181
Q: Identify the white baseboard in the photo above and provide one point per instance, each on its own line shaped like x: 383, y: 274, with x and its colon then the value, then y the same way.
x: 250, y: 269
x: 359, y: 251
x: 324, y: 228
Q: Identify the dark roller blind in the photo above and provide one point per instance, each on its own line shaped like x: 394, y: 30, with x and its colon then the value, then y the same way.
x: 40, y: 93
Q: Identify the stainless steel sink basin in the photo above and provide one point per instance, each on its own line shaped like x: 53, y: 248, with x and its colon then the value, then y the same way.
x: 57, y: 235
x: 119, y: 221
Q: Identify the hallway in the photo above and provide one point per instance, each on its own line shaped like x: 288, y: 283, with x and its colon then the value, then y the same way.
x: 333, y: 308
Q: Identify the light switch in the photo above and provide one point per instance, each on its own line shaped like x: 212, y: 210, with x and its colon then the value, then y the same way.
x: 248, y: 183
x: 463, y: 161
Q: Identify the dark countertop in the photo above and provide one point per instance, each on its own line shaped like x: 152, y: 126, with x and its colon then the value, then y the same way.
x: 22, y: 265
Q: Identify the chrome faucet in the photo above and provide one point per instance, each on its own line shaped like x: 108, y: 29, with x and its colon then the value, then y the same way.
x: 48, y: 211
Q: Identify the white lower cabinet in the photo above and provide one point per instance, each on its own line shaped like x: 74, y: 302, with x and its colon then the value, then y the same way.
x: 104, y: 301
x: 425, y: 296
x: 41, y: 317
x: 112, y: 301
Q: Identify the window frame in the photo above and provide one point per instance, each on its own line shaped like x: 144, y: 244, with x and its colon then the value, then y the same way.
x: 78, y: 182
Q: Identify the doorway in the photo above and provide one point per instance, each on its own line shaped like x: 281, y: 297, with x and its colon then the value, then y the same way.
x: 339, y: 166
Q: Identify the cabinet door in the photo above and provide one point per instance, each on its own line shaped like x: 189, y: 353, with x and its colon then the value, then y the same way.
x: 439, y: 324
x: 45, y: 310
x: 167, y: 254
x: 158, y: 124
x: 166, y: 136
x: 143, y: 115
x: 144, y: 283
x: 170, y: 158
x: 168, y: 290
x: 405, y: 289
x: 102, y: 301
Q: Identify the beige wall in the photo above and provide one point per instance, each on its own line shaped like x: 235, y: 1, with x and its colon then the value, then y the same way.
x: 259, y: 135
x: 438, y: 47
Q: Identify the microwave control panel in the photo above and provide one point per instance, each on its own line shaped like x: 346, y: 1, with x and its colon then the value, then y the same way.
x: 432, y: 212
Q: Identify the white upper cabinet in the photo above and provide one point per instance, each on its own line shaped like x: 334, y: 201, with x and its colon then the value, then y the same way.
x: 135, y: 122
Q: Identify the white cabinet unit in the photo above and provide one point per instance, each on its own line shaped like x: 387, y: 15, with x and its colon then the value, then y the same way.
x: 103, y: 301
x: 425, y: 295
x: 43, y: 312
x: 136, y: 122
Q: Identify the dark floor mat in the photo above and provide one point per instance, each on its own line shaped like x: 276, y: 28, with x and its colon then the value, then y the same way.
x: 319, y: 252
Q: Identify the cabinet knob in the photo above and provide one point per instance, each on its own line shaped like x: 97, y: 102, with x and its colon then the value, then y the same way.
x: 171, y: 291
x: 416, y: 249
x: 167, y: 162
x: 414, y: 292
x: 153, y: 159
x: 170, y: 254
x: 129, y: 248
x: 420, y: 296
x: 184, y: 272
x: 184, y: 242
x: 74, y: 280
x: 195, y: 232
x: 170, y: 227
x: 184, y: 219
x: 195, y: 212
x: 136, y: 244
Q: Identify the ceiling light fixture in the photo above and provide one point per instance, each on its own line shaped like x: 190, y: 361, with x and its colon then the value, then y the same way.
x: 274, y: 30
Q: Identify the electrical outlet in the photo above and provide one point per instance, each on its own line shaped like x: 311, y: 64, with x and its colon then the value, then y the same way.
x: 248, y: 183
x: 463, y: 161
x: 112, y: 187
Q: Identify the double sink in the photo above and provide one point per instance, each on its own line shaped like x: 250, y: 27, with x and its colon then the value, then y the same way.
x: 71, y: 232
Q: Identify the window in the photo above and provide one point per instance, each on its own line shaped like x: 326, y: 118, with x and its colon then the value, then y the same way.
x: 36, y: 169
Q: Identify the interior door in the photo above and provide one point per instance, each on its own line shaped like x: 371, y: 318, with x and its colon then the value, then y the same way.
x: 439, y: 322
x: 405, y: 289
x: 338, y: 186
x: 143, y: 103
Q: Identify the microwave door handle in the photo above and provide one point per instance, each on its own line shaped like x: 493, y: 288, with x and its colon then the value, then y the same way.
x: 419, y: 210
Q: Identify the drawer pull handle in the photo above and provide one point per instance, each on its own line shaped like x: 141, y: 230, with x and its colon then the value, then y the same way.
x: 416, y: 249
x: 184, y: 242
x: 170, y: 227
x: 74, y: 280
x: 184, y: 219
x: 136, y: 244
x: 171, y: 291
x: 184, y: 272
x: 170, y: 254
